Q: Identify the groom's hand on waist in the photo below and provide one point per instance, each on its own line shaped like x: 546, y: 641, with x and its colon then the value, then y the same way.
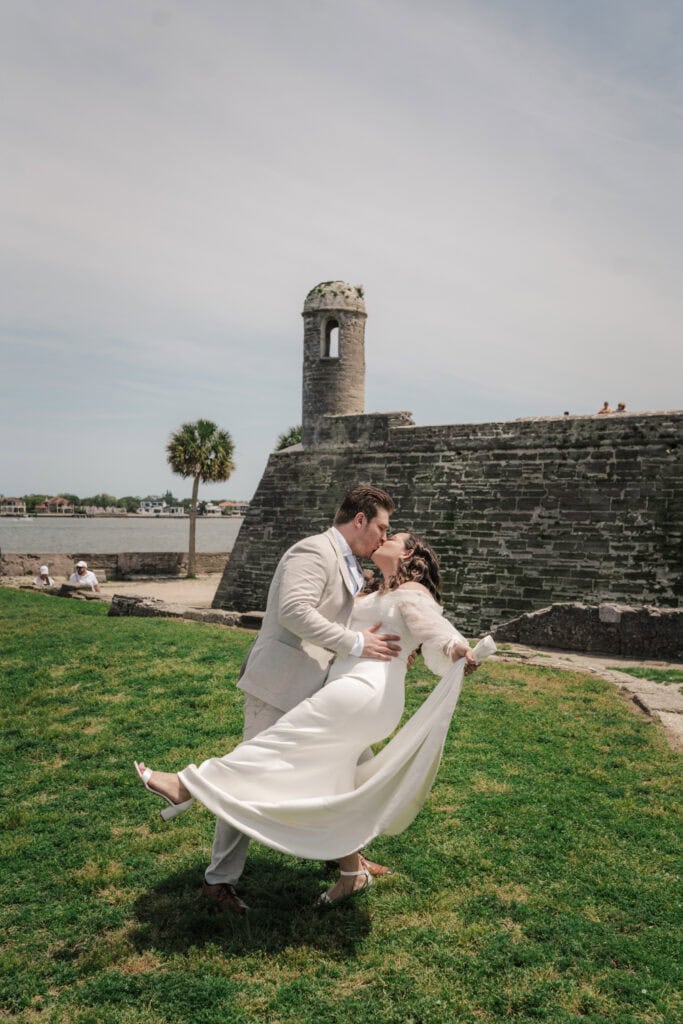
x: 381, y: 646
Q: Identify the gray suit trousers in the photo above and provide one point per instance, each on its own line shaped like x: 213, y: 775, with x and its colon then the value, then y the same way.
x: 229, y: 850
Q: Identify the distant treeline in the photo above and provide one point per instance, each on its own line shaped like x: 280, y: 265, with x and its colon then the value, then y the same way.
x: 131, y: 502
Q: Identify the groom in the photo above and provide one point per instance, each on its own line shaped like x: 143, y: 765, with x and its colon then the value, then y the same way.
x: 306, y: 623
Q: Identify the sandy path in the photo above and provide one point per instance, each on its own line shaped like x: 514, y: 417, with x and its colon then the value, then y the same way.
x: 197, y: 593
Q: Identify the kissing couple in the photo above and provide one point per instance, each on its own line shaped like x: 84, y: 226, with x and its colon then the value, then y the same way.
x: 324, y: 680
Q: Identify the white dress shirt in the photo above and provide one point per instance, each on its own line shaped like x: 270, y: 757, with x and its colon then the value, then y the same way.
x: 357, y: 579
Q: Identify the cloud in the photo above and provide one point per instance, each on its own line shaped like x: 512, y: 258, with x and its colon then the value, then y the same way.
x: 502, y: 178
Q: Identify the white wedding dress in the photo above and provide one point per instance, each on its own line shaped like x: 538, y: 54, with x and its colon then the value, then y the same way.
x: 297, y: 787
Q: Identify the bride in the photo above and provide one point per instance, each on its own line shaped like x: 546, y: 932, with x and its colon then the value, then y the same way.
x: 298, y: 787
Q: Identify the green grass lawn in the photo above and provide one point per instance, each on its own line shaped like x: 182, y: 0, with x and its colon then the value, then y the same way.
x: 539, y: 883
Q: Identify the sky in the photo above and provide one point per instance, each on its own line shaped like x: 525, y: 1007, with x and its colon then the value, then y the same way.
x: 502, y: 176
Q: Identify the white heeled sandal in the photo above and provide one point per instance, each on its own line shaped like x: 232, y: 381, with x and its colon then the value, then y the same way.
x: 173, y: 810
x: 324, y: 900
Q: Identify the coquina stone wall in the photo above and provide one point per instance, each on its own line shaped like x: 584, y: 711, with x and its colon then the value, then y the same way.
x: 523, y: 513
x: 116, y: 566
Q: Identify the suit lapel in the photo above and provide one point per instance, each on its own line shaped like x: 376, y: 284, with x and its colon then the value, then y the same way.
x: 341, y: 561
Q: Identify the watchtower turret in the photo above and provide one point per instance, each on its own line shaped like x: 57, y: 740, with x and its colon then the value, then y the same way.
x: 334, y: 354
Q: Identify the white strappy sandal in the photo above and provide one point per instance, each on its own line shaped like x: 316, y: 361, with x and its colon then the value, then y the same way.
x: 324, y: 900
x: 173, y: 810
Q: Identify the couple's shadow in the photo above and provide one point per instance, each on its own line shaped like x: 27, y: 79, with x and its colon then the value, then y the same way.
x: 175, y: 916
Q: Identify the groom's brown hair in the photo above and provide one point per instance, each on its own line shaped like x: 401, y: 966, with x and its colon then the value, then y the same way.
x: 363, y: 499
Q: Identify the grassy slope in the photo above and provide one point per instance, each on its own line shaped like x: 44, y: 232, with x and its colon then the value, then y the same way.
x: 538, y: 884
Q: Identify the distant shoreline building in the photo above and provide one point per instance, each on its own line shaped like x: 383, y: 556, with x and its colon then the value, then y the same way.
x: 158, y: 507
x: 12, y: 507
x: 234, y: 508
x: 55, y: 507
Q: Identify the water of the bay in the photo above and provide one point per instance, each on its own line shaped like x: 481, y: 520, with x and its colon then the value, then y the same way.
x: 114, y: 535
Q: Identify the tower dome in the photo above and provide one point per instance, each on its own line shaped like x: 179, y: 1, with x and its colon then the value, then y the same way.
x: 335, y: 295
x: 334, y: 354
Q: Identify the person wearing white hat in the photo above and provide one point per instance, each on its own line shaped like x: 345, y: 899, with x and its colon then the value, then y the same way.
x: 83, y: 577
x: 43, y: 579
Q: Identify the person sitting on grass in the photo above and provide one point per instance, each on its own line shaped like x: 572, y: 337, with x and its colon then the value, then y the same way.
x: 83, y: 577
x: 43, y: 579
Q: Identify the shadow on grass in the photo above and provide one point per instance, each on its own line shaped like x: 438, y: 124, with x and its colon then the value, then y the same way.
x: 175, y: 916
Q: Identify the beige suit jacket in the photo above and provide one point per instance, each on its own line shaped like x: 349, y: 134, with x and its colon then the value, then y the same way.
x: 306, y: 623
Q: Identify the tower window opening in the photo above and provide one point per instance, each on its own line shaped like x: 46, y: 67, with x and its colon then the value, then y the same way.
x: 330, y: 346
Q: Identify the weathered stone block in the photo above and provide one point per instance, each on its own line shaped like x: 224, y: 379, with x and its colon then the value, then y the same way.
x: 653, y: 633
x: 154, y: 608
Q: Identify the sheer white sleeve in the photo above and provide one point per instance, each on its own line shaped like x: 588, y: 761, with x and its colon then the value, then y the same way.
x: 424, y: 618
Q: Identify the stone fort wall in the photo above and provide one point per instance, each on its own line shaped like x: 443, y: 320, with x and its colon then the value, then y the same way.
x: 522, y: 513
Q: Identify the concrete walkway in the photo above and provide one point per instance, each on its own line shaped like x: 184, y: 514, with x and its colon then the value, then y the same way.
x: 661, y: 701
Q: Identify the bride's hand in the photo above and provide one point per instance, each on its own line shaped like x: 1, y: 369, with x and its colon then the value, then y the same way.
x: 463, y: 650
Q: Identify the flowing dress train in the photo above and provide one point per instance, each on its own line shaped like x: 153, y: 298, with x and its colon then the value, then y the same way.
x: 297, y: 787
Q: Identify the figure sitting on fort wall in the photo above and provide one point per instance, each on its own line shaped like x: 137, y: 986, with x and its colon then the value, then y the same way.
x: 606, y: 408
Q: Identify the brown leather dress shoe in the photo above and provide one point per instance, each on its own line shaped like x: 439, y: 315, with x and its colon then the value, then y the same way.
x: 225, y: 896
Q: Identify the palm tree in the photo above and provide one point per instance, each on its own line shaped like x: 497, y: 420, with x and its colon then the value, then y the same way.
x: 204, y: 452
